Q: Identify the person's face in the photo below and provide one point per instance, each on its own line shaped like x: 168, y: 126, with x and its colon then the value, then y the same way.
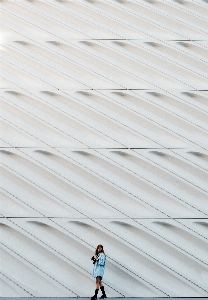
x: 99, y: 249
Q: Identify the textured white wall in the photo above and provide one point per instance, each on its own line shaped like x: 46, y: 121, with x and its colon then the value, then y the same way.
x: 104, y: 139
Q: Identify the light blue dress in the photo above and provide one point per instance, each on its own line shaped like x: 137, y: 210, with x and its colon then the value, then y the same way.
x: 99, y: 266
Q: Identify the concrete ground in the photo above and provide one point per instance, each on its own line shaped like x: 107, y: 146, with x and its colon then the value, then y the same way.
x: 116, y: 298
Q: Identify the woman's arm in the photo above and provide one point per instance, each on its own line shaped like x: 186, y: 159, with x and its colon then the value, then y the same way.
x: 101, y: 260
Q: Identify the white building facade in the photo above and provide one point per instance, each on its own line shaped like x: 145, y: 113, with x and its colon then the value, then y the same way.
x: 104, y: 138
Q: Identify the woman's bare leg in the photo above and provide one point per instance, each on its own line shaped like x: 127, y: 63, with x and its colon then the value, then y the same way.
x: 98, y: 282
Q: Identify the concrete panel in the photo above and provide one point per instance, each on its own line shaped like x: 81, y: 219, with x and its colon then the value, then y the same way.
x: 104, y: 139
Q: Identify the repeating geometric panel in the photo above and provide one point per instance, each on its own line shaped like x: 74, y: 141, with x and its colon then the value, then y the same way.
x: 104, y: 122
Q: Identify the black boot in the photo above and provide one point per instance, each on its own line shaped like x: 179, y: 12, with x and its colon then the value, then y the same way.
x: 95, y: 296
x: 103, y: 291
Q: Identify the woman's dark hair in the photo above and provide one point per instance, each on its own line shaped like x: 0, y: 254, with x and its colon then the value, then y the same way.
x: 96, y: 250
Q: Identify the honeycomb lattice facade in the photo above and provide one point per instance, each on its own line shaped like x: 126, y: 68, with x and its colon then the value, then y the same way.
x: 104, y: 138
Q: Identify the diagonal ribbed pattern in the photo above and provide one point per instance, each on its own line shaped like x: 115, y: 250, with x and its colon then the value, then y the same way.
x: 104, y: 139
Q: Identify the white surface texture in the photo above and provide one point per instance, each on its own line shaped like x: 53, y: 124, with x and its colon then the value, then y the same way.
x: 104, y: 139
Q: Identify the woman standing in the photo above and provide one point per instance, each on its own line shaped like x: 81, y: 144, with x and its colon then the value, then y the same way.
x: 99, y: 260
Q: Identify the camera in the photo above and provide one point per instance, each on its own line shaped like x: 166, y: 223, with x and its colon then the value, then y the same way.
x: 93, y: 259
